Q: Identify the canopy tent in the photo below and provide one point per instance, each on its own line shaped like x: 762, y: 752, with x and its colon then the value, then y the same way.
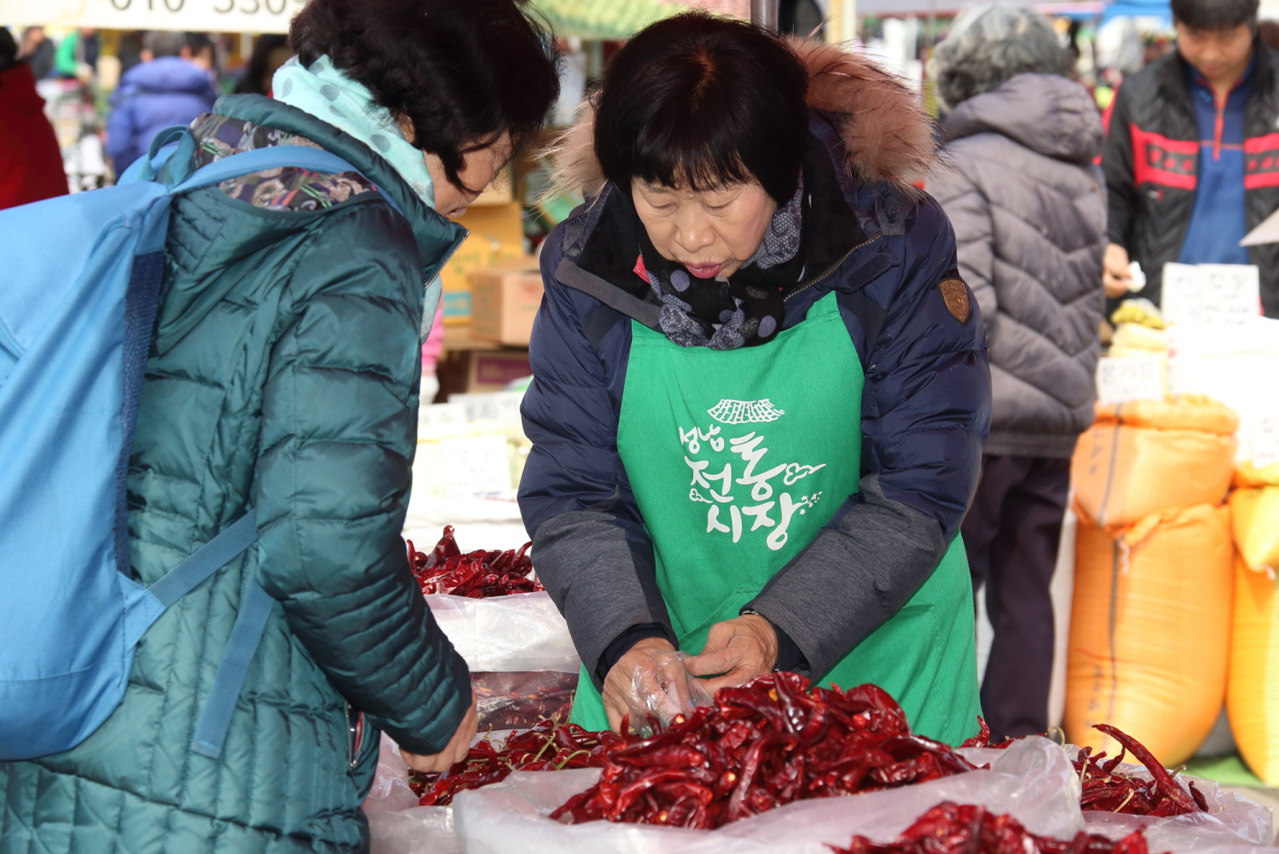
x: 593, y: 19
x: 1156, y: 11
x: 944, y: 8
x: 611, y: 19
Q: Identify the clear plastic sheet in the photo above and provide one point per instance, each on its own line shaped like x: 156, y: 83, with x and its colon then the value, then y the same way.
x: 520, y: 699
x: 523, y: 631
x: 1230, y: 819
x: 397, y: 825
x: 1033, y: 780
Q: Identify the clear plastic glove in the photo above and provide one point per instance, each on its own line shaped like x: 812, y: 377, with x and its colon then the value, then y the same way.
x: 454, y: 751
x: 736, y: 651
x: 650, y: 680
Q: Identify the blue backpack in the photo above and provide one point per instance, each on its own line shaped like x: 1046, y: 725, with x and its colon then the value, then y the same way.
x: 78, y: 296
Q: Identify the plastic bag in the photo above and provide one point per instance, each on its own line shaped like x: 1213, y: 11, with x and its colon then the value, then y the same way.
x: 523, y: 631
x: 397, y: 825
x: 519, y: 699
x: 1033, y: 780
x: 1231, y: 819
x: 679, y: 692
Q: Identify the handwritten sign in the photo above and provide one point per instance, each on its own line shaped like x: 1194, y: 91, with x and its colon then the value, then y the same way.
x: 1265, y: 440
x: 1127, y: 378
x: 247, y: 16
x: 465, y: 467
x: 1210, y: 293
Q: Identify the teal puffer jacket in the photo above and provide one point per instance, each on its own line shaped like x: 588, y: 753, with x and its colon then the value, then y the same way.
x: 283, y: 377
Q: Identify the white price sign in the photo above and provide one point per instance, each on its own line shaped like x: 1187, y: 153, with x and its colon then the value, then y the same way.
x: 245, y: 16
x: 1210, y: 293
x: 1127, y: 378
x: 1265, y: 441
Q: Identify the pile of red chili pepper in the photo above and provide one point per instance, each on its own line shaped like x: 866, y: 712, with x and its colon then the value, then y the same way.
x: 758, y: 746
x: 950, y: 828
x: 549, y: 746
x: 476, y: 575
x: 1106, y: 789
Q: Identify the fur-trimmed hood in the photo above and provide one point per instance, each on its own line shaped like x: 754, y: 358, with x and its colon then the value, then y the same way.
x: 887, y: 136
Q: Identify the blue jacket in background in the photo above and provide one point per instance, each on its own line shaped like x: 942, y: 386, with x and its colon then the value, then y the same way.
x: 152, y: 96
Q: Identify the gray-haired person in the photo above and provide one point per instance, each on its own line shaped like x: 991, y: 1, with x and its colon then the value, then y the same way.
x: 1030, y: 220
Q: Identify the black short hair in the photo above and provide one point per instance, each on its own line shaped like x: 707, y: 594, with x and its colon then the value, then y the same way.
x: 199, y: 42
x: 1215, y: 14
x: 258, y: 64
x: 8, y: 49
x: 460, y: 71
x: 701, y: 100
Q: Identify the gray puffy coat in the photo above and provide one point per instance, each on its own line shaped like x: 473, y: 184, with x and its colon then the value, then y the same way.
x: 1030, y: 218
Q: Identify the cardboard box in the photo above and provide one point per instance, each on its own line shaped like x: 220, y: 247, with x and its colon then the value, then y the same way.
x: 497, y: 234
x: 492, y: 370
x: 504, y: 300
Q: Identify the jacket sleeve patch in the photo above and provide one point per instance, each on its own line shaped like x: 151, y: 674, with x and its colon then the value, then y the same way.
x: 955, y: 293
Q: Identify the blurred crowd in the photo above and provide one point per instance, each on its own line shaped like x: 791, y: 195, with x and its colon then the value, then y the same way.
x: 106, y: 94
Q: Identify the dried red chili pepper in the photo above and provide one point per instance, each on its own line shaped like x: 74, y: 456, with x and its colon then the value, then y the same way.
x: 547, y: 746
x: 477, y: 574
x: 950, y: 827
x: 1105, y: 789
x: 758, y: 746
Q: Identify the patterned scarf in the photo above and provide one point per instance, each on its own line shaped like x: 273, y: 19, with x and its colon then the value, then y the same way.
x: 745, y: 310
x: 326, y: 93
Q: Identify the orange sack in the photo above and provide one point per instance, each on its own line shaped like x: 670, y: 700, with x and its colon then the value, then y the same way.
x: 1148, y: 456
x: 1254, y: 504
x: 1150, y: 630
x: 1252, y: 690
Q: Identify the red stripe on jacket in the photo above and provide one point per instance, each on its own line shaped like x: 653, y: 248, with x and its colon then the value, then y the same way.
x: 1261, y: 161
x: 1156, y: 159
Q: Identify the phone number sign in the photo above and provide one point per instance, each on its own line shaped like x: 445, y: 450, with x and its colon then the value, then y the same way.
x: 251, y: 16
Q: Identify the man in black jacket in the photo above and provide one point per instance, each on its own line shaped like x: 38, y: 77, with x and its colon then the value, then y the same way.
x: 1192, y: 154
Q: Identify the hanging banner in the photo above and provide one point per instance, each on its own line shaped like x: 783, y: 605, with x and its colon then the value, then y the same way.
x: 226, y: 16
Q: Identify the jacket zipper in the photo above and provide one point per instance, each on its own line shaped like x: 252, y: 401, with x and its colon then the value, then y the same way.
x: 354, y: 735
x: 831, y: 269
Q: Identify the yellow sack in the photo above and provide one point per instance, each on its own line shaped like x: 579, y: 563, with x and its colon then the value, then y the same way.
x: 1149, y: 456
x: 1150, y: 630
x: 1254, y: 504
x: 1252, y: 692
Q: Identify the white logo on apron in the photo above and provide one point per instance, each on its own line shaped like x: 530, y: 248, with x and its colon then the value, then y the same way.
x: 766, y: 506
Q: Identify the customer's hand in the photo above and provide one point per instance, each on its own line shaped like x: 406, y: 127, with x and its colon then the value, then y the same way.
x: 453, y: 752
x: 650, y: 679
x: 1115, y: 275
x: 736, y: 651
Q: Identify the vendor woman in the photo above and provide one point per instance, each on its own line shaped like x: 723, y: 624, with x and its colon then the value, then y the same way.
x: 760, y: 387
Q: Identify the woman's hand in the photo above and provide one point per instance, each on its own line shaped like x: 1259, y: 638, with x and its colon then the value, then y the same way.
x: 1115, y: 274
x: 740, y: 649
x: 650, y: 679
x: 453, y: 752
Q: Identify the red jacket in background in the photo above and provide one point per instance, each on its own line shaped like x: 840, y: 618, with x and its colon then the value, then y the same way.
x: 30, y: 160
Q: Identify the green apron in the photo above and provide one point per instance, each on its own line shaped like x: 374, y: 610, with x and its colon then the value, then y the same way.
x: 737, y: 459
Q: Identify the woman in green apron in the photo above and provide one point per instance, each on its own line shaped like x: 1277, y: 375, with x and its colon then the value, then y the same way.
x: 760, y: 387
